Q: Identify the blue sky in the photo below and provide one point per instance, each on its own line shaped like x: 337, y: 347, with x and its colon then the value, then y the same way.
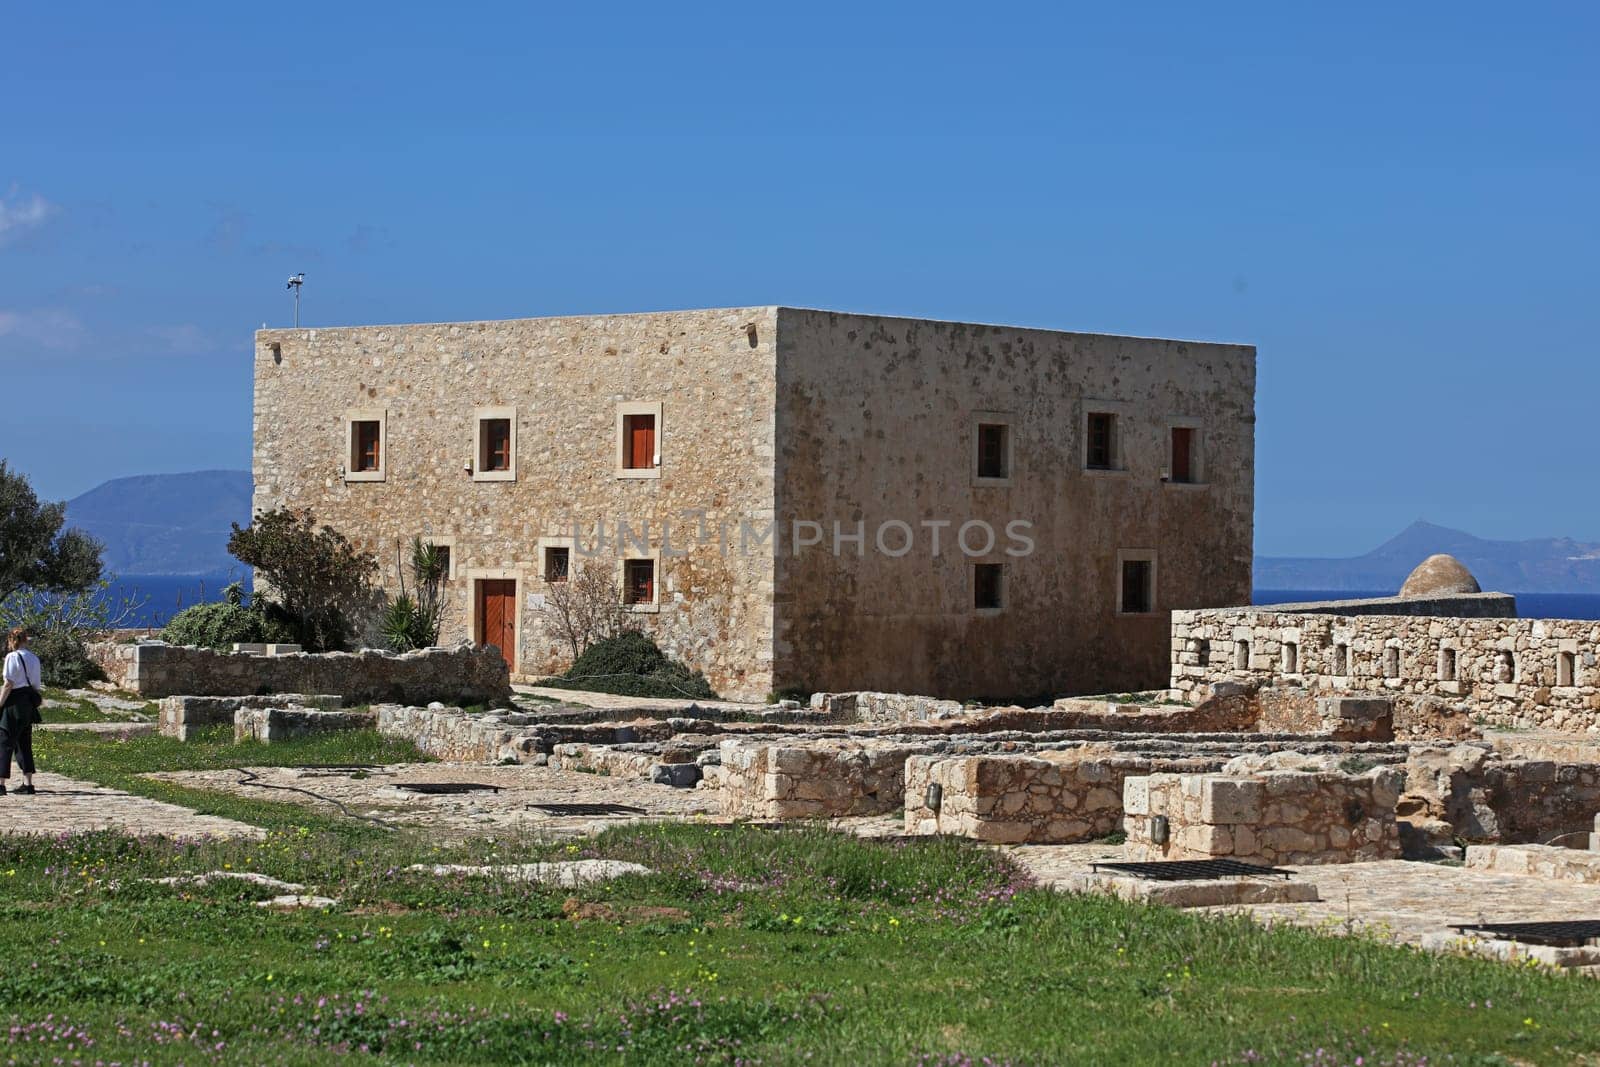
x: 1395, y: 203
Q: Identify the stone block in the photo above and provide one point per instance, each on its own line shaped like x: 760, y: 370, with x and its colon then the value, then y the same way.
x: 1231, y: 800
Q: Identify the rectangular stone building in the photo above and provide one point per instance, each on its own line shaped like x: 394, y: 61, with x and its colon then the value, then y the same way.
x: 788, y: 498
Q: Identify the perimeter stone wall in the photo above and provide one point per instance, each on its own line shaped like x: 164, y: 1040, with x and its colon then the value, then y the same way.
x: 1526, y: 673
x: 1283, y: 808
x: 462, y: 675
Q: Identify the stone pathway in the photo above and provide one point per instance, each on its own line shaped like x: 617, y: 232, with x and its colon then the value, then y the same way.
x: 66, y: 806
x: 624, y: 703
x: 1396, y: 900
x: 374, y: 793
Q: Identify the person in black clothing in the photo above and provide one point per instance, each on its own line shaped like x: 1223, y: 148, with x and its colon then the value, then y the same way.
x: 20, y: 697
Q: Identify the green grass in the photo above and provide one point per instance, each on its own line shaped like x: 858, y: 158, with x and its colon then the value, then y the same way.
x: 65, y: 708
x: 745, y: 946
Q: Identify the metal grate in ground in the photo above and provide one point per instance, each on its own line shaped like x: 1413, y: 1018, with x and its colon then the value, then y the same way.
x: 1567, y: 934
x: 446, y: 788
x: 588, y: 809
x: 1190, y: 870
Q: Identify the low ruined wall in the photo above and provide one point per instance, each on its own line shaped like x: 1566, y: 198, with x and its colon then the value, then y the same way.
x: 810, y: 780
x: 179, y: 717
x: 1542, y: 861
x: 1056, y: 798
x: 1262, y: 811
x: 462, y: 675
x: 871, y: 707
x: 1451, y: 605
x: 271, y: 725
x: 1502, y: 671
x: 1489, y: 797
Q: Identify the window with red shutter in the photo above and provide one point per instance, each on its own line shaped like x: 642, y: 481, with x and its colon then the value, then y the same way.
x: 1182, y: 454
x: 638, y: 442
x: 365, y: 445
x: 495, y: 435
x: 639, y: 581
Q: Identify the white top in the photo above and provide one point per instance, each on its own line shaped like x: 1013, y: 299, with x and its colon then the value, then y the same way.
x: 22, y: 668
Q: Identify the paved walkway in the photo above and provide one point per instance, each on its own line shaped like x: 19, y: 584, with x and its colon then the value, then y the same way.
x: 622, y: 703
x: 66, y: 805
x: 1396, y: 900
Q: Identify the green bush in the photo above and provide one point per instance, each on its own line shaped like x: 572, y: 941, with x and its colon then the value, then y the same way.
x: 63, y: 657
x: 221, y: 625
x: 631, y: 664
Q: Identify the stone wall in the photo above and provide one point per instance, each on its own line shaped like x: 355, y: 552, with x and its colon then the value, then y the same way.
x: 1450, y: 605
x: 270, y: 725
x: 1054, y: 798
x: 179, y: 717
x: 1282, y: 808
x: 562, y: 381
x: 1528, y: 673
x: 1488, y: 796
x: 817, y: 779
x: 876, y: 423
x: 464, y: 675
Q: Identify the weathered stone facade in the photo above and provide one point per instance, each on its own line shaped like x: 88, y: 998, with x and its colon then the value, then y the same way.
x: 1282, y: 808
x: 777, y: 426
x: 1525, y: 673
x: 463, y: 675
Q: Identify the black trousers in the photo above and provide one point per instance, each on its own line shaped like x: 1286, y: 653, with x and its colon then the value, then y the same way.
x: 18, y: 740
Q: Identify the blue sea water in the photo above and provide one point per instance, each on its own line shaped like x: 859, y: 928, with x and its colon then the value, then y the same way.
x: 156, y: 598
x: 1529, y: 605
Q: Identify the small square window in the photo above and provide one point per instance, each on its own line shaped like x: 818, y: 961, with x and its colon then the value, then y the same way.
x: 1391, y: 662
x: 988, y: 586
x: 638, y: 581
x: 1184, y: 457
x: 494, y: 436
x: 446, y: 564
x: 1241, y: 655
x: 1566, y: 668
x: 1447, y: 665
x: 1138, y: 587
x: 1291, y: 657
x: 994, y: 450
x: 366, y: 446
x: 1100, y: 446
x: 557, y: 563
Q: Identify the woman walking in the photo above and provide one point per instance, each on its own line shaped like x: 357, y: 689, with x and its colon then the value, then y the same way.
x: 20, y: 698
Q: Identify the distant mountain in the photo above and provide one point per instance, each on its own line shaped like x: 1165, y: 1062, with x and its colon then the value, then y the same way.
x: 166, y: 523
x: 1551, y: 565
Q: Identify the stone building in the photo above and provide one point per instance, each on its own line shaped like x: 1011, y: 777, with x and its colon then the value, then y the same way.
x: 788, y: 498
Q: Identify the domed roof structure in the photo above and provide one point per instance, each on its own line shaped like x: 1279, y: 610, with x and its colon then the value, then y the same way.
x: 1440, y: 575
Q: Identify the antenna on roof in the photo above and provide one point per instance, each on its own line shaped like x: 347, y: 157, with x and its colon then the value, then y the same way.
x: 295, y: 282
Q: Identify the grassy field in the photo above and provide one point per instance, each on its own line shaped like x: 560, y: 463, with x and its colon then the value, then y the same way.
x: 745, y: 945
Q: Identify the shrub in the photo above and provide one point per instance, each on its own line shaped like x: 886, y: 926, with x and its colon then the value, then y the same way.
x: 411, y: 619
x: 222, y: 625
x: 631, y: 664
x: 316, y: 579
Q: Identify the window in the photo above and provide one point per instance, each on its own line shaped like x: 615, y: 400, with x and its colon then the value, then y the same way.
x: 1341, y: 660
x: 638, y: 581
x: 988, y: 587
x: 557, y: 563
x: 1137, y: 583
x: 1291, y: 657
x: 639, y: 440
x: 365, y: 445
x: 494, y: 457
x: 1566, y: 668
x: 1100, y: 445
x: 1241, y: 655
x: 366, y: 448
x: 1447, y: 665
x: 994, y: 450
x: 446, y: 564
x: 1185, y: 464
x: 1391, y: 662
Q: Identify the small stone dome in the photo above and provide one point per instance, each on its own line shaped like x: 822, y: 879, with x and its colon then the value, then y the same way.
x: 1440, y: 575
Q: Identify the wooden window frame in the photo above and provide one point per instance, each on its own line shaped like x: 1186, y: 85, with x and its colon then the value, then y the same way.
x: 1004, y: 420
x: 1197, y: 454
x: 1137, y: 555
x: 653, y: 605
x: 638, y: 407
x: 1119, y: 413
x: 479, y: 417
x: 351, y: 419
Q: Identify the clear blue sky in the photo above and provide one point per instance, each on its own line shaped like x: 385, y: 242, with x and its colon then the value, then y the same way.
x: 1396, y: 203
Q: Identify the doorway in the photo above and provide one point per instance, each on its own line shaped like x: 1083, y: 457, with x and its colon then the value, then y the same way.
x: 497, y: 616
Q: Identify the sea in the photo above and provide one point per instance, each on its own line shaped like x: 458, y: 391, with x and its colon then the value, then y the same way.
x: 153, y: 599
x: 1529, y: 605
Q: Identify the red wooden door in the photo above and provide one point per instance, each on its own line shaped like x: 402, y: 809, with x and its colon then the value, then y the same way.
x: 497, y: 616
